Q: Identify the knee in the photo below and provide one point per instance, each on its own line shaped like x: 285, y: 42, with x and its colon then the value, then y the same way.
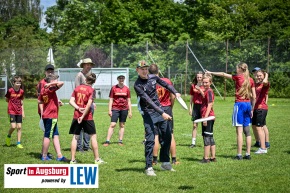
x: 246, y: 131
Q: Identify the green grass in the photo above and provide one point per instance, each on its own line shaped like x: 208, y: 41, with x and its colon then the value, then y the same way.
x: 125, y: 167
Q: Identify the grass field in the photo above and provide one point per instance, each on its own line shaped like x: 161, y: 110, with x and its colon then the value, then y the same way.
x: 124, y: 171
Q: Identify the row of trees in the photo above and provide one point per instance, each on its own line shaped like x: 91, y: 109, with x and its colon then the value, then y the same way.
x: 221, y: 33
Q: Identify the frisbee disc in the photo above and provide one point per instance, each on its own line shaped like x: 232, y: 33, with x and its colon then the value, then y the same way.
x: 182, y: 103
x: 41, y: 125
x: 204, y: 119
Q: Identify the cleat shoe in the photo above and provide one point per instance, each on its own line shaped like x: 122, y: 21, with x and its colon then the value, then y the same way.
x: 45, y: 158
x: 73, y: 162
x: 248, y: 157
x: 120, y: 143
x: 238, y: 157
x: 261, y: 151
x: 150, y: 172
x: 49, y: 155
x: 154, y: 162
x: 212, y: 160
x: 192, y: 146
x: 106, y: 144
x: 87, y: 149
x: 100, y: 161
x: 267, y: 145
x: 62, y: 159
x: 143, y: 142
x: 8, y: 141
x: 19, y: 146
x: 167, y: 166
x: 205, y: 161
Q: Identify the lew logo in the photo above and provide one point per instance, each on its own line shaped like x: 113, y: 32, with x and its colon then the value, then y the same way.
x: 83, y: 175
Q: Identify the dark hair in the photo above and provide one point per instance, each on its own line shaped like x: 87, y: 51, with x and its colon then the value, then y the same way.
x: 153, y: 69
x: 51, y: 77
x: 91, y: 78
x: 17, y: 79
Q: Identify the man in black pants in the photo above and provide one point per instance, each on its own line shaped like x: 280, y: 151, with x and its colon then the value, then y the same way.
x: 153, y: 116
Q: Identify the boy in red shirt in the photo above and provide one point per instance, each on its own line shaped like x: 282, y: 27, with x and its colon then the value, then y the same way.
x: 81, y: 100
x: 49, y: 113
x: 14, y: 97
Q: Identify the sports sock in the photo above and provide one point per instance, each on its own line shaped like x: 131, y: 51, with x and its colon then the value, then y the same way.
x: 120, y: 141
x: 247, y: 154
x: 155, y: 158
x: 18, y: 142
x: 173, y: 159
x: 193, y: 141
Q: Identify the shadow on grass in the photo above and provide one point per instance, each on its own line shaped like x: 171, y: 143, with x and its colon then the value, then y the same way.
x: 288, y: 152
x: 191, y: 159
x: 136, y: 160
x: 188, y: 145
x: 185, y: 187
x: 130, y: 170
x: 35, y: 155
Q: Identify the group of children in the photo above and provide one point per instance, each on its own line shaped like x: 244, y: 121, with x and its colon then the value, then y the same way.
x: 250, y: 107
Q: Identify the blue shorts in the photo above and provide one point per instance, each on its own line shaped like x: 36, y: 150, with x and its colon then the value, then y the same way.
x: 242, y: 114
x: 51, y: 128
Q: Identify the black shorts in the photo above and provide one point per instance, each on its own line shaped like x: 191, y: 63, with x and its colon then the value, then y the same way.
x: 15, y: 118
x: 119, y: 114
x: 259, y: 117
x: 207, y: 131
x: 196, y: 112
x: 88, y: 126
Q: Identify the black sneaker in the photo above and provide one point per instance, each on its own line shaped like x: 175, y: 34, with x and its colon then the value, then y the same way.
x: 192, y: 146
x: 257, y: 144
x: 213, y: 159
x: 238, y: 157
x: 248, y: 157
x: 205, y: 161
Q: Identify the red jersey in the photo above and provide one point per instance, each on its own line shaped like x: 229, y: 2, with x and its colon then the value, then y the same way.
x: 164, y: 94
x: 239, y: 79
x: 82, y: 95
x: 39, y: 87
x: 120, y: 97
x: 14, y: 101
x: 261, y: 95
x: 197, y: 97
x: 208, y: 98
x: 50, y: 102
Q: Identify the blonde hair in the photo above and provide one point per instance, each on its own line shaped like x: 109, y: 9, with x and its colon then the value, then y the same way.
x: 207, y: 76
x: 245, y: 90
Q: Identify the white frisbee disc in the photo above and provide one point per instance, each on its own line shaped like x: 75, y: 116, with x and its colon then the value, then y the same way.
x: 204, y: 119
x: 41, y: 125
x: 182, y: 103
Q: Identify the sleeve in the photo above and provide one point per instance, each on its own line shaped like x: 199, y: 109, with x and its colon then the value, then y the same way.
x: 144, y: 97
x: 210, y: 96
x: 7, y: 95
x: 191, y: 92
x: 111, y: 95
x: 128, y: 93
x: 38, y: 89
x: 166, y: 85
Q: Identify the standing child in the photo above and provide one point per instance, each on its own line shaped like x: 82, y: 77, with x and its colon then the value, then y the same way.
x: 49, y: 113
x: 195, y: 104
x: 245, y: 98
x: 206, y: 110
x: 81, y: 100
x: 14, y: 97
x: 261, y: 109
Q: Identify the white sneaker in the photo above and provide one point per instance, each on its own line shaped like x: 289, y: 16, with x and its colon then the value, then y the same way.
x: 150, y: 172
x: 167, y: 166
x: 261, y: 151
x: 100, y: 161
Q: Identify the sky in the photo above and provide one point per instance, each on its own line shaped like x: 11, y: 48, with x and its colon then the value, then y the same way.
x: 46, y: 4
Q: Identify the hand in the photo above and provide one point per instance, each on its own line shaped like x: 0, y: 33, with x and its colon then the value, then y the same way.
x: 95, y: 106
x: 204, y: 123
x: 23, y: 115
x: 82, y: 110
x: 130, y: 115
x: 80, y: 119
x: 178, y: 95
x: 166, y: 116
x: 190, y: 112
x: 197, y: 88
x: 110, y: 113
x: 60, y: 103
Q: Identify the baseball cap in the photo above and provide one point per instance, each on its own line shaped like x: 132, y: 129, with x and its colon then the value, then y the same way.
x: 120, y: 75
x: 142, y: 64
x: 256, y: 69
x: 49, y: 66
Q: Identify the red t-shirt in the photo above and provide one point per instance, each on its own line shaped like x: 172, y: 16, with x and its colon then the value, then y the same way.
x: 50, y: 102
x: 39, y: 87
x: 239, y: 79
x: 82, y: 94
x: 14, y: 101
x: 164, y: 94
x: 208, y: 98
x: 120, y: 97
x: 197, y: 97
x: 261, y: 95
